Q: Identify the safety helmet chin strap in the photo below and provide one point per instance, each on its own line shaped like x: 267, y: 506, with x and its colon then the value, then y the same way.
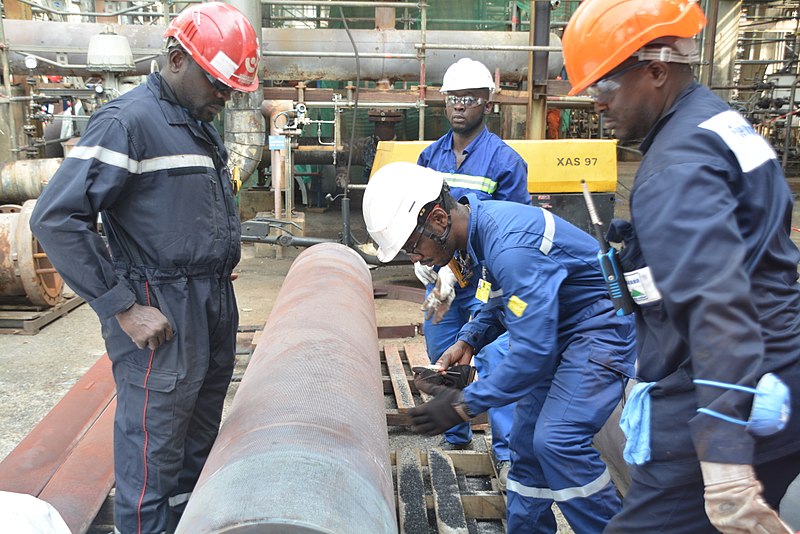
x: 440, y: 239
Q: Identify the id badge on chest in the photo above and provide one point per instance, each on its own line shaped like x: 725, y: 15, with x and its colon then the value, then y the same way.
x: 484, y: 288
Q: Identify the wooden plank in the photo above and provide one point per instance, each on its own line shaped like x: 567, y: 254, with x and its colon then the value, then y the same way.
x: 417, y: 356
x: 450, y: 518
x: 411, y: 508
x: 255, y: 340
x: 486, y: 505
x: 80, y: 486
x: 402, y: 390
x: 472, y: 462
x: 29, y: 467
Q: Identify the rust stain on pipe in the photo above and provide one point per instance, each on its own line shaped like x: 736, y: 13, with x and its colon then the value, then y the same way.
x: 25, y: 270
x: 305, y: 447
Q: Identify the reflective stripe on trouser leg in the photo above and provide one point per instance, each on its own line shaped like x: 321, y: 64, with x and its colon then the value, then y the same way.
x: 439, y: 337
x: 552, y: 456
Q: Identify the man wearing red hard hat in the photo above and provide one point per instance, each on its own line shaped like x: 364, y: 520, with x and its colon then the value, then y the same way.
x: 151, y: 163
x: 713, y: 427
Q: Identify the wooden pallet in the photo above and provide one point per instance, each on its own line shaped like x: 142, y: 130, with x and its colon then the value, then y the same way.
x: 397, y: 359
x: 449, y: 492
x: 28, y: 319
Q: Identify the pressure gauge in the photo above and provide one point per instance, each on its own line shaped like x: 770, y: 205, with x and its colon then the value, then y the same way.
x: 30, y: 62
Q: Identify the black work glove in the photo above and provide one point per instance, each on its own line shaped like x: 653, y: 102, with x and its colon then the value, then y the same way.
x: 458, y: 377
x: 630, y: 255
x: 444, y: 411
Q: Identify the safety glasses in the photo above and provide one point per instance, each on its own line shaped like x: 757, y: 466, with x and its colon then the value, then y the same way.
x: 412, y: 250
x: 466, y: 101
x: 420, y: 229
x: 215, y: 83
x: 218, y: 85
x: 603, y: 90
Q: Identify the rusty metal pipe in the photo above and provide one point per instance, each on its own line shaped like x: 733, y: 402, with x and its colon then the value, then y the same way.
x: 304, y: 448
x: 25, y: 271
x: 24, y: 179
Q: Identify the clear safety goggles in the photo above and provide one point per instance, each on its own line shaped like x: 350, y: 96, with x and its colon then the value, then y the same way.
x: 602, y: 90
x: 466, y: 101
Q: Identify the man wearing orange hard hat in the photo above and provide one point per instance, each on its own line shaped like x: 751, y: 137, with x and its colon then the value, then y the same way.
x: 713, y: 427
x: 156, y: 169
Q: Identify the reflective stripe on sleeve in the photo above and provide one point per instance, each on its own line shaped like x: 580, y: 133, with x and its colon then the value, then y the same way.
x: 476, y: 183
x: 549, y: 232
x: 118, y: 159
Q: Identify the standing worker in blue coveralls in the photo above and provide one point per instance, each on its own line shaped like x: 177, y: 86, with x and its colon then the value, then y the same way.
x: 714, y: 272
x: 151, y: 162
x: 570, y: 353
x: 476, y: 161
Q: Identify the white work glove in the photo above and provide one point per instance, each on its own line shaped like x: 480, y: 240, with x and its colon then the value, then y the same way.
x: 425, y: 274
x: 440, y: 299
x: 734, y: 503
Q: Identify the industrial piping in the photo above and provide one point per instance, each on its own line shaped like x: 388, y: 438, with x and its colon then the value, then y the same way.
x: 305, y: 447
x: 25, y: 270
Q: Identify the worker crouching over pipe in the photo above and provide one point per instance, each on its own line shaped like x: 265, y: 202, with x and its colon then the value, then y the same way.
x: 305, y: 447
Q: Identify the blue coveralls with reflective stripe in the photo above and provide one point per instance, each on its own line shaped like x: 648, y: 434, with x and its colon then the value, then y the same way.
x: 712, y: 213
x: 160, y: 181
x: 491, y: 170
x: 569, y: 359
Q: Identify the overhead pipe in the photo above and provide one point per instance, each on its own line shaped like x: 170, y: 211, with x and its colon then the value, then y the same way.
x: 63, y: 45
x: 304, y: 447
x: 25, y: 271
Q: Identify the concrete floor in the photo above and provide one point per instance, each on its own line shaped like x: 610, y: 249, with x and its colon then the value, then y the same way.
x: 36, y: 371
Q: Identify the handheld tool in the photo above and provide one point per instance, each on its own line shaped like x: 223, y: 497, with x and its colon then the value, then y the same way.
x: 609, y: 262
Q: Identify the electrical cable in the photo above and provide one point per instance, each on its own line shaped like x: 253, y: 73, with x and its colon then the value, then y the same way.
x: 355, y: 97
x: 347, y: 238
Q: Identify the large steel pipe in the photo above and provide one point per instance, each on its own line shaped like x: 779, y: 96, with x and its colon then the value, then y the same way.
x: 24, y: 179
x: 304, y: 448
x: 290, y: 53
x: 25, y: 271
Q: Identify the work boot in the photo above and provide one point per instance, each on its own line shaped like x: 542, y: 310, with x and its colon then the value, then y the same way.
x: 447, y: 446
x: 503, y: 466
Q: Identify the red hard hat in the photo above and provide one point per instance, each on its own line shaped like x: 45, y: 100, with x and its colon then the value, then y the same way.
x: 601, y: 34
x: 222, y: 41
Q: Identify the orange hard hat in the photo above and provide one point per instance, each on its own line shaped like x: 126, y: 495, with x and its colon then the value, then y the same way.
x: 601, y: 34
x: 222, y: 41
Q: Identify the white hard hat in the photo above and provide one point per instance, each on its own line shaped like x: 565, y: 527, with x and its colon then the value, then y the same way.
x: 394, y: 197
x: 467, y: 74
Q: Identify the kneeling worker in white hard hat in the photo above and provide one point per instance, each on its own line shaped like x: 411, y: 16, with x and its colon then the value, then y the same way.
x: 570, y: 354
x: 476, y: 161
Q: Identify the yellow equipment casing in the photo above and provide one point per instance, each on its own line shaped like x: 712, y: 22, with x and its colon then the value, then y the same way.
x: 555, y: 170
x: 554, y: 165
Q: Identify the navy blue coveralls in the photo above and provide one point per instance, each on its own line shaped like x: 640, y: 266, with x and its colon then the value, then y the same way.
x: 491, y: 170
x: 160, y: 181
x: 712, y: 212
x: 570, y: 356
